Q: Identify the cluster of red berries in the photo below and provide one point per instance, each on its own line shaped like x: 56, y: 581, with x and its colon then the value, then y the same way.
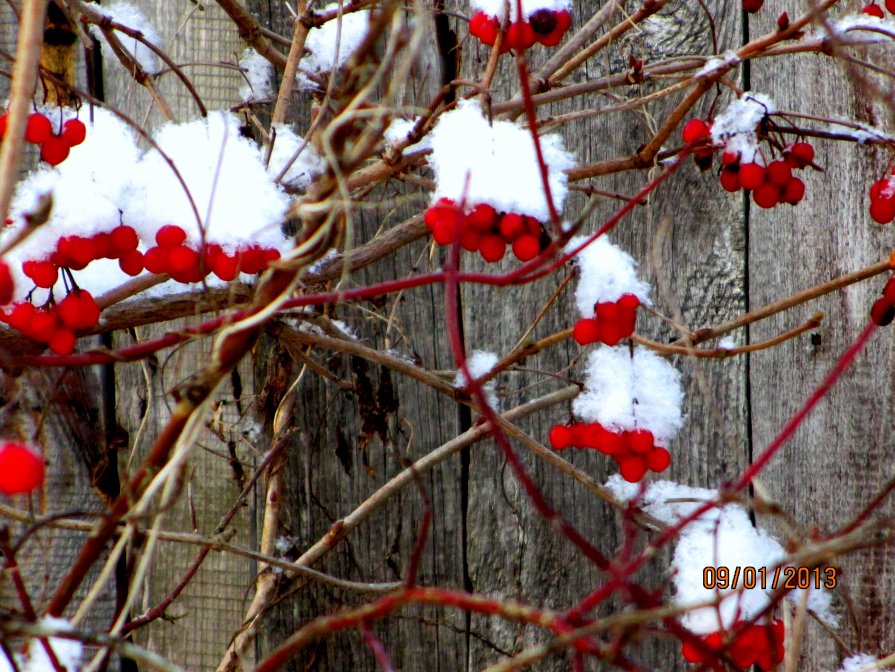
x: 612, y: 321
x: 54, y: 149
x: 752, y: 6
x: 635, y: 451
x: 55, y: 323
x: 484, y: 230
x: 171, y: 255
x: 754, y: 644
x: 21, y: 469
x: 883, y: 310
x: 882, y: 200
x: 544, y: 26
x: 771, y: 184
x: 874, y: 9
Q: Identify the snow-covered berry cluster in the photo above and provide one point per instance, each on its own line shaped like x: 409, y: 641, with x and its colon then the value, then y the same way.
x: 54, y: 146
x: 883, y: 310
x: 54, y: 324
x: 484, y: 230
x: 634, y: 451
x: 873, y: 9
x: 612, y: 321
x: 770, y: 184
x: 21, y: 469
x: 543, y: 26
x: 882, y: 200
x: 746, y: 645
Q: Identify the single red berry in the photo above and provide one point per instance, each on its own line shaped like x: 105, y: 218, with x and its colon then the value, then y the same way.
x: 225, y: 266
x: 890, y: 5
x: 21, y: 315
x: 44, y: 273
x: 533, y: 226
x: 632, y: 468
x: 873, y: 10
x: 560, y: 437
x: 170, y: 236
x: 131, y: 262
x: 183, y: 263
x: 627, y: 313
x: 520, y: 36
x: 78, y: 310
x: 729, y: 158
x: 482, y: 217
x: 640, y: 441
x: 804, y: 152
x: 793, y: 191
x: 751, y: 175
x: 492, y: 248
x: 695, y: 129
x: 54, y: 150
x: 778, y: 172
x: 42, y: 327
x: 526, y: 247
x: 484, y: 27
x: 562, y: 22
x: 4, y: 118
x: 123, y: 239
x: 691, y: 653
x: 881, y: 189
x: 586, y: 331
x: 445, y: 231
x: 766, y: 196
x: 21, y: 469
x: 102, y: 243
x: 658, y: 460
x: 607, y: 311
x: 883, y: 210
x: 270, y: 256
x: 730, y: 180
x: 470, y: 239
x: 155, y: 259
x: 543, y: 21
x: 250, y: 260
x: 612, y: 332
x: 882, y: 312
x: 609, y: 442
x: 752, y: 6
x: 38, y: 129
x: 74, y: 132
x: 511, y: 226
x: 63, y: 342
x: 7, y: 286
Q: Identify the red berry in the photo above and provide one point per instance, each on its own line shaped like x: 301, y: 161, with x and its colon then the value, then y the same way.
x: 890, y: 5
x: 612, y: 332
x: 690, y: 653
x: 766, y: 196
x: 695, y: 129
x: 103, y: 244
x: 640, y: 440
x: 170, y: 236
x: 520, y: 36
x: 632, y: 468
x: 881, y: 189
x: 586, y: 331
x: 270, y: 255
x: 752, y: 6
x: 751, y: 175
x: 658, y: 460
x: 607, y: 311
x: 560, y: 437
x: 607, y: 442
x: 54, y: 150
x: 873, y: 10
x: 42, y: 326
x: 794, y: 191
x: 627, y: 313
x: 803, y: 151
x: 76, y: 252
x: 251, y: 260
x: 882, y: 313
x: 482, y: 217
x: 225, y: 267
x: 778, y: 172
x: 511, y: 226
x: 44, y: 273
x: 562, y: 22
x: 543, y: 21
x: 533, y: 226
x: 74, y: 132
x: 38, y: 129
x: 21, y: 315
x: 123, y: 239
x: 492, y: 248
x: 6, y: 284
x: 730, y: 180
x: 3, y: 121
x: 21, y: 469
x: 131, y: 262
x: 484, y: 27
x: 155, y: 259
x: 883, y: 211
x: 78, y: 310
x: 889, y: 291
x: 729, y: 158
x: 445, y: 230
x: 526, y: 247
x: 63, y: 342
x: 470, y: 239
x: 183, y: 264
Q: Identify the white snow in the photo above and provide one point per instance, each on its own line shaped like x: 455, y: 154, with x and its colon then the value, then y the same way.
x: 497, y: 8
x: 859, y: 132
x: 308, y: 163
x: 727, y: 343
x: 499, y: 161
x: 723, y: 62
x: 860, y: 662
x: 606, y: 272
x: 133, y: 17
x: 720, y: 537
x: 67, y: 651
x: 622, y: 392
x: 330, y: 45
x: 258, y: 74
x: 747, y: 147
x: 741, y: 116
x: 479, y: 363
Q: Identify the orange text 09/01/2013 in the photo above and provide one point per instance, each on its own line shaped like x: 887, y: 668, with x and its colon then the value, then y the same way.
x: 785, y: 578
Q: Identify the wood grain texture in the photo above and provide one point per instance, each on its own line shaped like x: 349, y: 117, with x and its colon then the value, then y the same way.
x: 839, y: 459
